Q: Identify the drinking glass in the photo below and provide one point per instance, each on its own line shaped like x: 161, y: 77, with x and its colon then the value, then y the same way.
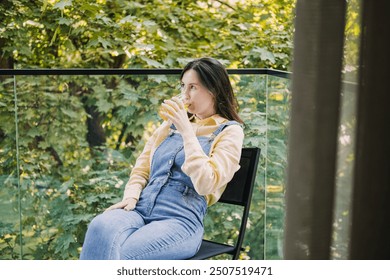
x: 162, y: 109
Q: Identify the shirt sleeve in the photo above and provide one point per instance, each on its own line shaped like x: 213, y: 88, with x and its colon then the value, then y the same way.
x: 210, y: 173
x: 139, y: 175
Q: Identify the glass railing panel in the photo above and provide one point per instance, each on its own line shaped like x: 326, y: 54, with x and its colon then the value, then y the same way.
x: 79, y: 135
x: 9, y: 180
x: 278, y: 113
x: 252, y: 91
x: 53, y: 151
x: 251, y: 95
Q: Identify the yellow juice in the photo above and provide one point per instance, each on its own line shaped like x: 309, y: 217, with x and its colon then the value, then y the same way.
x: 164, y: 110
x: 161, y: 109
x: 161, y: 116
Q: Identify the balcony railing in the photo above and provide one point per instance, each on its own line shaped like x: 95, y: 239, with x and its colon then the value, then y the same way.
x: 68, y: 139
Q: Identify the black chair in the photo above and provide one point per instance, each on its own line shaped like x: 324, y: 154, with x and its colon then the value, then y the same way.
x: 238, y: 192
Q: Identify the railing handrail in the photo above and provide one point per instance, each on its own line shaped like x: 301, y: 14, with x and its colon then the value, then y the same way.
x: 132, y: 71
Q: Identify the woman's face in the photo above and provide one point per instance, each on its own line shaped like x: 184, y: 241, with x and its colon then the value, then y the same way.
x: 199, y: 99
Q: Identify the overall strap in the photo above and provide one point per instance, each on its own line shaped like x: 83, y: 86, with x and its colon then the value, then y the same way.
x: 172, y: 127
x: 222, y: 127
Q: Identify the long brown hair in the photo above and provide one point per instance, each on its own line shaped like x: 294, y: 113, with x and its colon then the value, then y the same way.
x: 214, y: 77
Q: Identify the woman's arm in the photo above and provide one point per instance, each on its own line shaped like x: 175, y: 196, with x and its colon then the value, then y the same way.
x: 211, y: 172
x: 208, y: 173
x: 139, y: 177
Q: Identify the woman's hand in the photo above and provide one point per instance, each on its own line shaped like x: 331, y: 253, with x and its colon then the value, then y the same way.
x: 175, y: 112
x: 126, y: 204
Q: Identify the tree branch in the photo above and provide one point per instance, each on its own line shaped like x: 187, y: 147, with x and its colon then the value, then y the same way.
x: 226, y: 4
x: 50, y: 149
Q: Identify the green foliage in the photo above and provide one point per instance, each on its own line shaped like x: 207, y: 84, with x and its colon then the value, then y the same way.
x: 78, y: 136
x: 156, y: 34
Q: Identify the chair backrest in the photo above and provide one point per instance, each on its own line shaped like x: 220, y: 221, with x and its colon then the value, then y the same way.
x: 238, y: 192
x: 240, y: 188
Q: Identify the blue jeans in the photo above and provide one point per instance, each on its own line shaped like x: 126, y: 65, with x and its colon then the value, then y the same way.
x: 119, y: 234
x: 170, y: 229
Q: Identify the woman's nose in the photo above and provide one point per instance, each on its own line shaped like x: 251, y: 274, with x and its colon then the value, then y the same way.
x: 183, y: 90
x: 184, y: 97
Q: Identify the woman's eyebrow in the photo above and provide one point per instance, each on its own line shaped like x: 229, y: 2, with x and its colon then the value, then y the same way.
x: 191, y: 84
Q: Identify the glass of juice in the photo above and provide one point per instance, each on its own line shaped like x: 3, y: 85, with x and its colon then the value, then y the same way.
x: 181, y: 97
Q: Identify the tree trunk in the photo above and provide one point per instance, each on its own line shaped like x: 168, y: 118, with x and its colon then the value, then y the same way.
x: 96, y: 135
x: 6, y: 62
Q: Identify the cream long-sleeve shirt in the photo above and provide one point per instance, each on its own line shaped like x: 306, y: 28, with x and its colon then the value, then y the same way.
x: 209, y: 173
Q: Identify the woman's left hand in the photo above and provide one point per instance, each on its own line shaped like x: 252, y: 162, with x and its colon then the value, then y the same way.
x: 175, y: 112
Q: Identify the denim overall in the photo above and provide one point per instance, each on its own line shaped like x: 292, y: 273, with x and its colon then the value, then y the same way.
x: 167, y: 222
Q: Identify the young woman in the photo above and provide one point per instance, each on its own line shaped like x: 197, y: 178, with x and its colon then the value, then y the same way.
x: 183, y: 169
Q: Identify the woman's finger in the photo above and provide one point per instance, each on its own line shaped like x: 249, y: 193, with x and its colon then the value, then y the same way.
x: 174, y: 104
x: 118, y: 205
x: 169, y: 110
x: 179, y: 101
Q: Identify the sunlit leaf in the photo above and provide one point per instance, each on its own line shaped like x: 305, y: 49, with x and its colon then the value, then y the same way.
x: 62, y: 4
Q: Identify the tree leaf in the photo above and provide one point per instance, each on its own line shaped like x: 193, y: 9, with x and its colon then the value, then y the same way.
x: 62, y: 4
x: 152, y: 62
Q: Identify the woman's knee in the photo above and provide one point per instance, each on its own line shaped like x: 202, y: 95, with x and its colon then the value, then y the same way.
x: 162, y: 241
x: 99, y: 224
x: 114, y: 221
